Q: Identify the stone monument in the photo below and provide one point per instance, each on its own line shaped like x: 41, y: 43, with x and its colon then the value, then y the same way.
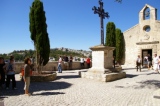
x: 102, y: 68
x: 102, y: 61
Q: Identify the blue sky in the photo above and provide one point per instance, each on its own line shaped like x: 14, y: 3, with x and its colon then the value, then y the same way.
x: 71, y: 23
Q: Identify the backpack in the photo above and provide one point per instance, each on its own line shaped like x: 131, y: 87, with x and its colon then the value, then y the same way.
x: 9, y: 68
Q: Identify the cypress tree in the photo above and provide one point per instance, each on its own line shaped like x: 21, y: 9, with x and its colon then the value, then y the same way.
x: 110, y: 36
x: 119, y: 45
x: 39, y: 35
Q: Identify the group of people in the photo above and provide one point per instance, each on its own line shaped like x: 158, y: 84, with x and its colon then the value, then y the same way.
x: 149, y: 62
x: 68, y: 63
x: 83, y: 61
x: 7, y: 73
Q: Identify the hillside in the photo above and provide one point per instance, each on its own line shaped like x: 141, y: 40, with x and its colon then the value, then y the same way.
x: 54, y: 53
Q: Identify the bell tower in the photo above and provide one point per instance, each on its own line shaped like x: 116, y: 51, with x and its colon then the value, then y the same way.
x: 147, y: 13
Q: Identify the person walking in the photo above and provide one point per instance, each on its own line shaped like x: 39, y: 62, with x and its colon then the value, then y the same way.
x: 145, y: 61
x: 149, y: 61
x: 156, y: 63
x: 70, y: 62
x: 114, y: 61
x: 88, y: 61
x: 59, y: 65
x: 82, y: 62
x: 26, y: 76
x: 138, y: 63
x: 66, y: 60
x: 159, y: 62
x: 2, y: 72
x: 11, y: 74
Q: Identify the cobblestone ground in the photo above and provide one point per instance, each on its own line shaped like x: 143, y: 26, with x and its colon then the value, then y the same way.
x: 138, y: 89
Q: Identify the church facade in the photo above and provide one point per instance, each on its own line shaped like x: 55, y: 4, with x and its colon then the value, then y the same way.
x: 143, y: 38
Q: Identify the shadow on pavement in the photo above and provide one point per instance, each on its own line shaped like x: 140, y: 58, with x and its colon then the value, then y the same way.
x: 130, y: 75
x: 35, y: 86
x: 153, y: 73
x: 10, y: 92
x: 148, y: 84
x: 48, y: 93
x: 38, y: 86
x: 119, y: 86
x: 157, y: 97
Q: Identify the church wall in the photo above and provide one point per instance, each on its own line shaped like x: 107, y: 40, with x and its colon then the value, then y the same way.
x: 138, y: 35
x: 138, y: 38
x: 131, y: 49
x: 157, y: 33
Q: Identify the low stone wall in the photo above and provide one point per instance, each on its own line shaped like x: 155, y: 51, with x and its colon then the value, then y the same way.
x: 43, y: 78
x: 52, y: 66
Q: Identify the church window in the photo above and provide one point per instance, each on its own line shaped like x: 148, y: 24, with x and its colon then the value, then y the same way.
x: 146, y: 13
x: 147, y: 28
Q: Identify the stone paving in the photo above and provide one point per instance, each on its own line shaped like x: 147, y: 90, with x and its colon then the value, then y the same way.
x: 138, y: 89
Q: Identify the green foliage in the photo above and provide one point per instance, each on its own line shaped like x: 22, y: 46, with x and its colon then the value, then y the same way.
x: 57, y: 53
x: 39, y: 35
x: 20, y: 55
x: 119, y: 45
x: 111, y: 36
x: 114, y: 38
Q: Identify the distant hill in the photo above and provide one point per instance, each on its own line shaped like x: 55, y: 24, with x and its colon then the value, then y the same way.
x: 83, y: 52
x: 54, y: 53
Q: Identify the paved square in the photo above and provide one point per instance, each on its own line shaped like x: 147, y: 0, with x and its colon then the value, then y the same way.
x: 138, y: 89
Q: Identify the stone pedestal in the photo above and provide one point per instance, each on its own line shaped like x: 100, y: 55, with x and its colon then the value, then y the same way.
x: 102, y: 61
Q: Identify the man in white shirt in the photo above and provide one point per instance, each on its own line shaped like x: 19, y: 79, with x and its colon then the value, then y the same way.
x: 156, y: 63
x: 59, y: 65
x: 138, y: 63
x: 82, y: 62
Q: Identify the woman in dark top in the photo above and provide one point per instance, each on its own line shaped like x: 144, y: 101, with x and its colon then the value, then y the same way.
x: 2, y: 71
x: 26, y: 77
x: 10, y: 71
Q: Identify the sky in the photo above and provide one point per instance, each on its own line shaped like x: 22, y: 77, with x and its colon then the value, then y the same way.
x: 71, y: 23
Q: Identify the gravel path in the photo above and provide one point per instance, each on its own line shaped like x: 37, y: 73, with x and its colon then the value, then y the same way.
x: 138, y: 89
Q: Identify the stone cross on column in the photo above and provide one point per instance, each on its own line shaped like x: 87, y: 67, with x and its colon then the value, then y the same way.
x: 102, y: 14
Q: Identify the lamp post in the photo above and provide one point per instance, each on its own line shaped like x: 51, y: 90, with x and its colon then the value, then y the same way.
x: 102, y: 14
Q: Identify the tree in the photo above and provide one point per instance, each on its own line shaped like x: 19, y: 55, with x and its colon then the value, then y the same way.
x: 110, y: 36
x: 39, y: 35
x: 119, y: 45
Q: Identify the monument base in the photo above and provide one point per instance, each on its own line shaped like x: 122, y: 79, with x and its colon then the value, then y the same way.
x: 102, y: 65
x: 101, y: 76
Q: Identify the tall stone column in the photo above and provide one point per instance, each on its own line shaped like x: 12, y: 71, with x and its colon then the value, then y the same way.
x: 102, y: 58
x: 102, y: 69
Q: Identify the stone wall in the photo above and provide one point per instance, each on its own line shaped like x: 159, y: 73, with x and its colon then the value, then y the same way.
x: 51, y: 66
x: 131, y: 37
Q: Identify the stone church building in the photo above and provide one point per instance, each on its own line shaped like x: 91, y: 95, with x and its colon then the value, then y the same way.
x: 143, y: 38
